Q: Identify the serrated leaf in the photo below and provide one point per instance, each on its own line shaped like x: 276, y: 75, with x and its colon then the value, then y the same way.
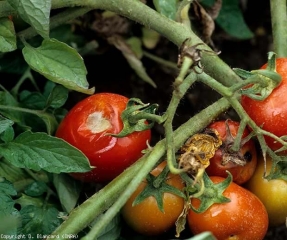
x: 8, y: 40
x: 39, y: 220
x: 166, y: 7
x: 38, y: 151
x: 34, y: 12
x: 68, y: 191
x: 231, y: 19
x: 59, y: 63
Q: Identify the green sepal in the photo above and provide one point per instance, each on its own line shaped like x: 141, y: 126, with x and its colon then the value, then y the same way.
x: 135, y: 116
x: 263, y: 80
x: 213, y: 193
x: 156, y: 187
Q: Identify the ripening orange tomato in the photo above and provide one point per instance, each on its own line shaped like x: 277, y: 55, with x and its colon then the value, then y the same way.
x: 243, y: 218
x: 145, y: 217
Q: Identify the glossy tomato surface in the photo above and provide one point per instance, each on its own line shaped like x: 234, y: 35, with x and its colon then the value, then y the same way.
x: 243, y: 218
x: 86, y: 126
x: 271, y: 113
x: 272, y: 193
x: 145, y: 217
x: 218, y: 163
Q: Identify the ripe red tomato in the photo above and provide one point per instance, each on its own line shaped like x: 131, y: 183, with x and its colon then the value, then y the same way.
x: 244, y: 217
x: 145, y: 217
x: 271, y: 113
x: 85, y: 127
x: 223, y: 160
x: 272, y: 193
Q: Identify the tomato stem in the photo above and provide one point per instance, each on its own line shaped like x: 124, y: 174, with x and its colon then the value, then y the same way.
x: 279, y: 23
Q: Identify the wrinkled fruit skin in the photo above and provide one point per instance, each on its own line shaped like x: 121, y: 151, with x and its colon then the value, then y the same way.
x: 109, y: 155
x: 243, y: 218
x: 146, y: 218
x: 272, y: 193
x: 271, y: 113
x: 241, y: 174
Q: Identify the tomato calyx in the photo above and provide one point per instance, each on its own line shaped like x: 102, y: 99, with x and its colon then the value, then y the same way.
x: 137, y: 117
x: 156, y: 187
x: 262, y: 81
x: 211, y: 193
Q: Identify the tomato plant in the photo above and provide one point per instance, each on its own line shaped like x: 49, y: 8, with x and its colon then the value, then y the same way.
x: 87, y: 127
x: 272, y: 193
x: 244, y: 217
x: 146, y: 217
x: 271, y: 113
x: 240, y: 164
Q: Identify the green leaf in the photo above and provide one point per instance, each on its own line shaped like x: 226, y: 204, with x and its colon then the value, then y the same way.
x: 7, y: 210
x: 68, y: 190
x: 59, y: 63
x: 36, y: 189
x: 34, y: 12
x: 57, y: 97
x: 231, y: 19
x: 5, y: 123
x: 166, y: 7
x: 38, y: 151
x: 6, y: 99
x: 39, y: 220
x: 8, y: 40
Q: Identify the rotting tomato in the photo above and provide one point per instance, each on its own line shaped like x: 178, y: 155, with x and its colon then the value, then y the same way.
x: 146, y: 218
x: 243, y: 218
x: 240, y: 164
x: 271, y: 113
x: 272, y: 193
x: 87, y: 125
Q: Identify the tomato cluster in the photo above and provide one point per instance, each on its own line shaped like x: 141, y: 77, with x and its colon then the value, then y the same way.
x: 254, y: 203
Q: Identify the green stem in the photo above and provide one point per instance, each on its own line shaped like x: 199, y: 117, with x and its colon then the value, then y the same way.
x: 161, y: 61
x: 279, y: 23
x: 177, y: 94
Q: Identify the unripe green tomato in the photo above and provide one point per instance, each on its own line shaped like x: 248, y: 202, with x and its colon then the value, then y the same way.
x: 273, y: 193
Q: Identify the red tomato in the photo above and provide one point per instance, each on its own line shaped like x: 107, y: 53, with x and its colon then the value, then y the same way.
x: 145, y: 217
x: 219, y: 164
x: 272, y: 193
x: 85, y: 127
x: 243, y: 218
x: 271, y: 113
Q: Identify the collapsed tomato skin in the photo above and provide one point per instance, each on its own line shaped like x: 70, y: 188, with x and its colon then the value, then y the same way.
x: 86, y: 126
x: 243, y: 218
x: 272, y: 193
x: 240, y: 174
x: 146, y: 218
x: 271, y: 113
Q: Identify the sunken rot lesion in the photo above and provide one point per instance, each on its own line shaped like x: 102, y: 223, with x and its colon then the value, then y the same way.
x: 228, y: 155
